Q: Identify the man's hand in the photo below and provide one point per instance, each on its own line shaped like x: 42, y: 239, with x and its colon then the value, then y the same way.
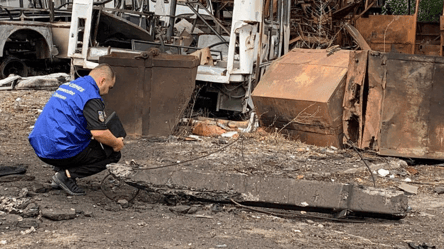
x: 119, y: 144
x: 106, y: 137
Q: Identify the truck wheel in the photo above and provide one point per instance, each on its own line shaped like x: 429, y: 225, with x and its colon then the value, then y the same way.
x: 13, y: 65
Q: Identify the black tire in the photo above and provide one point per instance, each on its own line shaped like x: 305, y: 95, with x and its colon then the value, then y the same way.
x: 13, y: 65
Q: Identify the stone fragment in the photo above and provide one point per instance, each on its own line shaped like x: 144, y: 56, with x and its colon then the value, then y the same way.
x: 439, y: 190
x: 28, y: 223
x: 408, y: 188
x: 59, y: 214
x: 412, y: 171
x: 88, y: 213
x: 123, y: 203
x: 32, y: 210
x: 193, y: 210
x: 181, y: 209
x: 231, y: 134
x: 40, y: 188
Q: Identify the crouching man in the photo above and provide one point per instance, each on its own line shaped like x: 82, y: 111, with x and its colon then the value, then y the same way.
x: 70, y: 133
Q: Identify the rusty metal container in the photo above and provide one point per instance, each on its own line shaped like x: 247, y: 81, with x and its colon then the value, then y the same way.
x: 301, y: 94
x: 150, y: 93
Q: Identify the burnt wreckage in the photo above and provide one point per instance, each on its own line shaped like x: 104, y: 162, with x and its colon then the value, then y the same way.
x: 240, y: 44
x: 70, y: 36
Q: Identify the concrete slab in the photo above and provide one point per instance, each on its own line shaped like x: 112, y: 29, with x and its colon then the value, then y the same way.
x: 223, y: 187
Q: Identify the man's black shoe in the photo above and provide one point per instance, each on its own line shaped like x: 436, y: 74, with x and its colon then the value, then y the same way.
x: 67, y: 184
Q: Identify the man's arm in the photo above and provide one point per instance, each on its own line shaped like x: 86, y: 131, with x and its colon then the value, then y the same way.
x: 106, y: 137
x: 95, y: 117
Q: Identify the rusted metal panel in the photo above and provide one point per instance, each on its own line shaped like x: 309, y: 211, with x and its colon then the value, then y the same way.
x: 387, y: 32
x: 302, y: 93
x: 411, y: 115
x: 442, y: 35
x: 354, y: 96
x: 150, y: 94
x: 372, y: 114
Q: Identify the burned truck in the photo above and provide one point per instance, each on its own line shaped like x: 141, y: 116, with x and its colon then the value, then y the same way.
x: 235, y: 39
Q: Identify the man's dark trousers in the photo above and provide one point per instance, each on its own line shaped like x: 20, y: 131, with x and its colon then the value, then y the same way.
x: 90, y: 161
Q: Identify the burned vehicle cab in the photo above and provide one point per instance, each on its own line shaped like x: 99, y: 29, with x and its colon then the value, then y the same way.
x: 23, y: 45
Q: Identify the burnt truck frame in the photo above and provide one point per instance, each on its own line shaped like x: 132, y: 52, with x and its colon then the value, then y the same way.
x: 243, y: 39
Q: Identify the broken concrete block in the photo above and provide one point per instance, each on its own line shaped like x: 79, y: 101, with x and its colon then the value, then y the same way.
x: 59, y: 214
x: 203, y: 129
x: 220, y: 187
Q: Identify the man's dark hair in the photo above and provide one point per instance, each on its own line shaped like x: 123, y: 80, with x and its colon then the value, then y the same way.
x: 104, y: 69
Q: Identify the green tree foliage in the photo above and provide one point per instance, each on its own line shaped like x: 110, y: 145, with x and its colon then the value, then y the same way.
x: 429, y: 10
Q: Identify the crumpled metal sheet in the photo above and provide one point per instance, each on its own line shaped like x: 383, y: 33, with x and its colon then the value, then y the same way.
x: 302, y: 94
x: 354, y: 96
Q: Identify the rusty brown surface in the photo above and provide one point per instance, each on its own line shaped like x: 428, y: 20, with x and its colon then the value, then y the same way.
x: 386, y: 32
x: 411, y: 115
x: 372, y: 113
x: 354, y: 96
x: 150, y: 94
x: 428, y: 39
x: 357, y: 36
x: 302, y: 93
x: 403, y: 102
x: 442, y: 34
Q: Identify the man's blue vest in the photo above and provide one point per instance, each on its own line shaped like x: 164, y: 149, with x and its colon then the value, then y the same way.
x: 60, y: 130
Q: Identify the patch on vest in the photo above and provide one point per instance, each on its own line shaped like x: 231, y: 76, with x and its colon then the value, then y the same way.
x: 101, y: 116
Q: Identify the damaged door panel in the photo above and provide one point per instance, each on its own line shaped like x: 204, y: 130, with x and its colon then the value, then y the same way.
x: 354, y: 96
x: 441, y: 27
x: 374, y: 93
x: 302, y: 93
x: 153, y: 90
x: 411, y: 115
x: 403, y: 102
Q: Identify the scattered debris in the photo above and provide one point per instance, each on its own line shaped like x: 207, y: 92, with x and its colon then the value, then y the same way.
x: 28, y: 231
x: 412, y: 171
x: 123, y: 203
x: 439, y: 190
x: 231, y: 134
x: 408, y: 188
x: 58, y: 214
x: 383, y: 172
x: 421, y: 246
x: 207, y: 130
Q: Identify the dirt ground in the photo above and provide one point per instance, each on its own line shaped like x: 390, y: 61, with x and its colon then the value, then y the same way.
x: 152, y: 221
